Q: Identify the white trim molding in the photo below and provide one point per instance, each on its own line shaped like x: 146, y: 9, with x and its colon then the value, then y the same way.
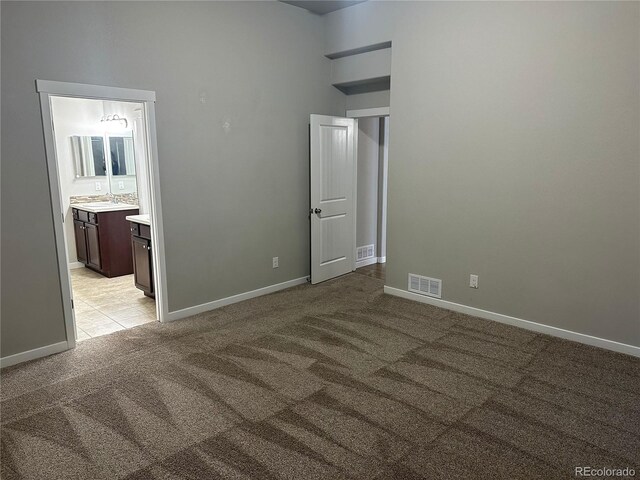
x: 85, y: 90
x: 58, y: 228
x: 75, y: 265
x: 368, y: 261
x: 368, y: 112
x: 518, y: 322
x: 33, y: 354
x: 371, y: 261
x: 45, y: 90
x: 205, y: 307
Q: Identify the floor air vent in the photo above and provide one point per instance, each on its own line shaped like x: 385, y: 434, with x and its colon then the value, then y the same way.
x: 425, y: 285
x: 363, y: 253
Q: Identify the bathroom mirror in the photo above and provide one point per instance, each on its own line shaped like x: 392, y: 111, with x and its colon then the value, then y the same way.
x: 122, y: 155
x: 122, y: 178
x: 88, y: 156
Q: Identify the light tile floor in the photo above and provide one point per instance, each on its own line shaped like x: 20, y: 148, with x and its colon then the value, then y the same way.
x: 105, y: 305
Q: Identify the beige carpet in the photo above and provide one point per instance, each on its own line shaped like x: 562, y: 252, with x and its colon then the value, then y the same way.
x: 326, y: 382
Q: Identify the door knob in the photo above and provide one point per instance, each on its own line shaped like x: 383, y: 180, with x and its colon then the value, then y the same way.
x: 318, y: 211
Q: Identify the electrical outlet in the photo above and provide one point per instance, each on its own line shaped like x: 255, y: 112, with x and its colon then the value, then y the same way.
x: 275, y: 262
x: 98, y: 186
x: 473, y: 281
x: 121, y: 185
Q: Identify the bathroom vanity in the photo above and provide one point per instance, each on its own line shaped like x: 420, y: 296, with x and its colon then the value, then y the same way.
x: 102, y: 237
x: 142, y: 253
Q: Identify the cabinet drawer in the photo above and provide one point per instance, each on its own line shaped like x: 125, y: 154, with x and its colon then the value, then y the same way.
x: 145, y: 231
x: 80, y: 215
x: 74, y: 213
x: 141, y: 230
x: 93, y: 218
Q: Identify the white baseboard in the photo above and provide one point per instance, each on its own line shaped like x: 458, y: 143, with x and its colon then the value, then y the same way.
x: 205, y: 307
x: 368, y: 261
x: 518, y: 322
x: 74, y: 265
x: 33, y: 354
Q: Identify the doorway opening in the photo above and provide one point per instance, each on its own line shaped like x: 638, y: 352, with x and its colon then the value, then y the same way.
x: 102, y: 160
x: 348, y: 193
x: 371, y: 195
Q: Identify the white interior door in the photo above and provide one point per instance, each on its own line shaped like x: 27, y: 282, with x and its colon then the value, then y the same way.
x: 332, y: 197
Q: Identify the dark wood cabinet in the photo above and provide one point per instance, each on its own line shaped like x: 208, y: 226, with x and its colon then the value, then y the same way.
x: 142, y: 258
x: 93, y: 245
x: 81, y: 241
x: 142, y: 264
x: 102, y: 241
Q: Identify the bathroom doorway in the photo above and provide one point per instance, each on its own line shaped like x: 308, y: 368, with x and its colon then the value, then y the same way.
x: 372, y: 166
x: 102, y: 159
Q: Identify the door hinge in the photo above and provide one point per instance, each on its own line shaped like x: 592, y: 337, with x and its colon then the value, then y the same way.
x: 72, y: 305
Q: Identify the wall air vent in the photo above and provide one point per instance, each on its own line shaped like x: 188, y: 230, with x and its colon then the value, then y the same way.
x: 425, y: 285
x: 366, y: 252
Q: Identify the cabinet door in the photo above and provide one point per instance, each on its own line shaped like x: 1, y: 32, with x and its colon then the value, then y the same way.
x: 81, y: 241
x: 142, y: 265
x: 93, y: 245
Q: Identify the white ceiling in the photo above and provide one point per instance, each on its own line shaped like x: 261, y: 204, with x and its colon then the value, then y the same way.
x: 321, y: 7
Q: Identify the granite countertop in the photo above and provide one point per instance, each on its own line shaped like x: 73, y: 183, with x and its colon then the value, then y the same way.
x: 97, y: 207
x: 143, y: 219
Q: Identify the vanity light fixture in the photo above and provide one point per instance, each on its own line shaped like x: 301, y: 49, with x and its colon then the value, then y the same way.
x: 115, y: 118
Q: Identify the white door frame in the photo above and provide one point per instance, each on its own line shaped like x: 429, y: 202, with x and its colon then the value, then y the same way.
x: 330, y: 119
x: 368, y: 112
x: 46, y: 89
x: 362, y: 113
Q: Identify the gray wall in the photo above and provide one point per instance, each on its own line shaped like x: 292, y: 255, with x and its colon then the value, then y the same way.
x: 383, y: 177
x: 232, y: 200
x: 514, y: 154
x: 363, y: 66
x: 367, y: 195
x: 368, y: 100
